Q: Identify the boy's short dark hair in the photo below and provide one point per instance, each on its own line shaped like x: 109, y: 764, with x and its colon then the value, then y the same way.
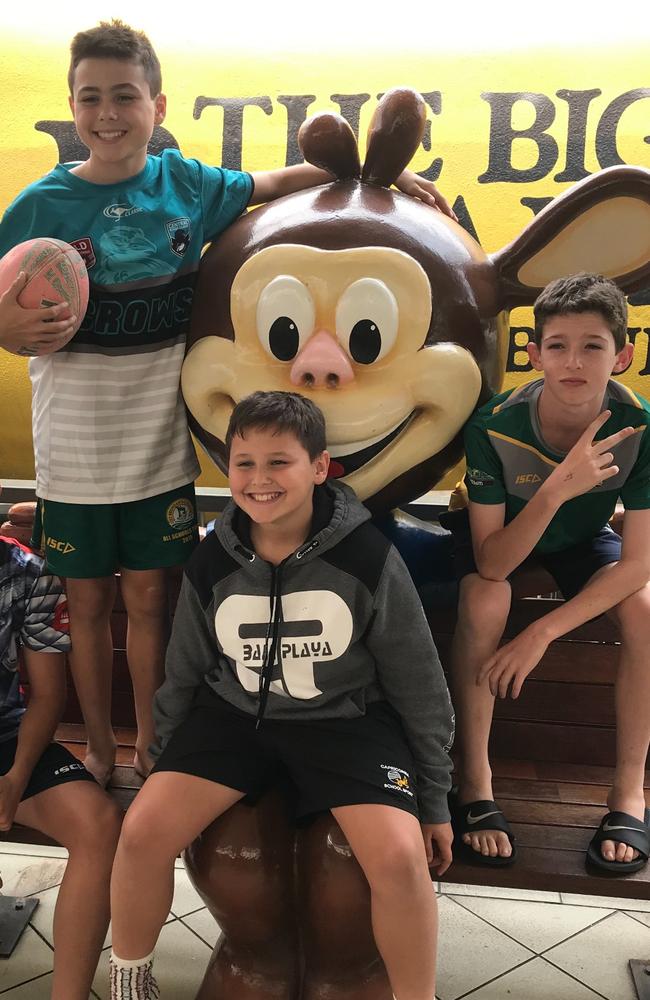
x: 116, y: 40
x: 280, y: 411
x: 580, y: 293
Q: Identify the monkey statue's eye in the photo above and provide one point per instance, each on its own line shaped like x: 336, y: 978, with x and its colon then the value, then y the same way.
x: 367, y: 319
x: 285, y: 317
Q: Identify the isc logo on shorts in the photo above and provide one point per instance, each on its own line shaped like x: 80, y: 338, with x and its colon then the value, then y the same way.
x: 180, y: 513
x: 63, y: 547
x: 67, y: 768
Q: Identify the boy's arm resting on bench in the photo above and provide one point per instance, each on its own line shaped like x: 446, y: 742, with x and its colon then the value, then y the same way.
x: 46, y: 675
x: 513, y: 662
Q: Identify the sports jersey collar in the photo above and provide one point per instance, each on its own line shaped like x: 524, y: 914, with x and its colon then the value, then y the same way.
x: 63, y: 172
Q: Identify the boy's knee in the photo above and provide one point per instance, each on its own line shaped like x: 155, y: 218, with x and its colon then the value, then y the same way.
x: 400, y: 864
x: 97, y: 829
x: 634, y: 614
x: 483, y: 601
x: 146, y: 600
x: 90, y: 599
x: 140, y: 830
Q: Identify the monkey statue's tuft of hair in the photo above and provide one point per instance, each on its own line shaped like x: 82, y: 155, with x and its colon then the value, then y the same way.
x: 327, y: 141
x: 394, y: 134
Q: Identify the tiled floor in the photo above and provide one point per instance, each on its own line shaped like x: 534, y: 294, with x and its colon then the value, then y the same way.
x: 494, y: 945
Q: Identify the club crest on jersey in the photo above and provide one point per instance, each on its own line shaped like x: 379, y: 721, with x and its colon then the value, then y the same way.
x: 86, y: 250
x: 178, y: 234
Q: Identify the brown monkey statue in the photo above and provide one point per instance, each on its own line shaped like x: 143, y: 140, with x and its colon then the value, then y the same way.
x: 394, y: 320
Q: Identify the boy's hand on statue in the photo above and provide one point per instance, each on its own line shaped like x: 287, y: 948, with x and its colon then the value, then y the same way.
x: 32, y: 332
x: 512, y: 663
x: 438, y: 838
x: 9, y: 800
x: 589, y: 462
x: 426, y: 191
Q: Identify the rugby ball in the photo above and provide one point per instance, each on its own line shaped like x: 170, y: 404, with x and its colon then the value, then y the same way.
x: 55, y: 273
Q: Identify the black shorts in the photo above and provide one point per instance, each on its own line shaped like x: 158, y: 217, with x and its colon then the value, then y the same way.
x: 56, y: 766
x: 571, y: 568
x: 333, y: 762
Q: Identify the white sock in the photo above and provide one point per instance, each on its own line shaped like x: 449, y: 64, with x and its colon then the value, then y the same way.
x: 132, y: 979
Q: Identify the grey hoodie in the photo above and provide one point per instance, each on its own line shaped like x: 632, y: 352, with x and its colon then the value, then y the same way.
x: 336, y: 626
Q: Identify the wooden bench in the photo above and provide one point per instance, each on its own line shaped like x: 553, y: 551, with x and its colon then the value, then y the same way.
x: 552, y: 753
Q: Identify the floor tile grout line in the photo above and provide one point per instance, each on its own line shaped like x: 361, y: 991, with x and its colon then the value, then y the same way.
x: 516, y: 940
x: 494, y: 927
x: 179, y: 916
x: 575, y: 934
x: 498, y: 895
x: 575, y: 978
x: 26, y: 982
x: 495, y: 979
x: 632, y: 914
x: 604, y: 904
x: 589, y: 927
x: 197, y: 935
x: 40, y: 935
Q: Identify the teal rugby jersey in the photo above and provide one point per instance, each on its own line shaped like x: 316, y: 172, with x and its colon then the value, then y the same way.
x: 109, y: 423
x: 508, y: 460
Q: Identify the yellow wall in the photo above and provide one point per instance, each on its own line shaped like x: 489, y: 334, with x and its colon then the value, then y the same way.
x: 207, y: 55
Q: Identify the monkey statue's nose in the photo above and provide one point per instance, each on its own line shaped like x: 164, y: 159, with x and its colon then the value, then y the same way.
x: 322, y: 363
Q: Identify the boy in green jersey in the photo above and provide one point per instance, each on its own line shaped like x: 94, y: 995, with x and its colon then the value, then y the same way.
x: 546, y: 464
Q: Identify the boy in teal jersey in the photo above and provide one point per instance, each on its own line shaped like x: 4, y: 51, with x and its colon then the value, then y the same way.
x: 546, y: 464
x: 115, y: 464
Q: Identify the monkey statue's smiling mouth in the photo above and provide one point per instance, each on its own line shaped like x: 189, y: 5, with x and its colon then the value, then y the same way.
x: 343, y: 465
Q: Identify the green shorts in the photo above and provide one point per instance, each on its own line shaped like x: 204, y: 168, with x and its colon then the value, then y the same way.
x: 84, y: 541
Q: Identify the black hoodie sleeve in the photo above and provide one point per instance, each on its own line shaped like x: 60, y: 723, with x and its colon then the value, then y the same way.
x: 192, y: 653
x: 411, y: 677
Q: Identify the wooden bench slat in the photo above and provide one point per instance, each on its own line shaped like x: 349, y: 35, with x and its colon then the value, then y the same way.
x: 525, y: 612
x: 564, y: 663
x: 546, y: 701
x: 552, y: 771
x: 546, y: 741
x: 550, y: 791
x: 546, y: 868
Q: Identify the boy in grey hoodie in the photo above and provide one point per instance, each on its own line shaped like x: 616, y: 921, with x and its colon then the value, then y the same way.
x: 298, y: 640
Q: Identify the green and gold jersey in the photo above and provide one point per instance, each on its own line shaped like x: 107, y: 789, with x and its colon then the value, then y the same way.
x: 508, y: 460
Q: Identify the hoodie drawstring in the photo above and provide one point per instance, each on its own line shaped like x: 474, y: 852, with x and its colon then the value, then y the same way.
x: 273, y: 632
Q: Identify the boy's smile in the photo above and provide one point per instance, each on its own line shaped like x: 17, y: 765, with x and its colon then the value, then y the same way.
x: 272, y: 478
x: 115, y: 115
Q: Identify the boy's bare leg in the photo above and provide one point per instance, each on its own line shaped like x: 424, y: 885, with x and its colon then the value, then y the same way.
x: 90, y: 603
x: 87, y: 822
x: 482, y: 614
x: 632, y: 716
x: 153, y: 835
x: 387, y: 842
x: 145, y: 598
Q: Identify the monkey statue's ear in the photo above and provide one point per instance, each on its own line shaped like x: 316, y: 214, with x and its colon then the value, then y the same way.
x: 600, y: 225
x: 326, y: 140
x: 394, y: 134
